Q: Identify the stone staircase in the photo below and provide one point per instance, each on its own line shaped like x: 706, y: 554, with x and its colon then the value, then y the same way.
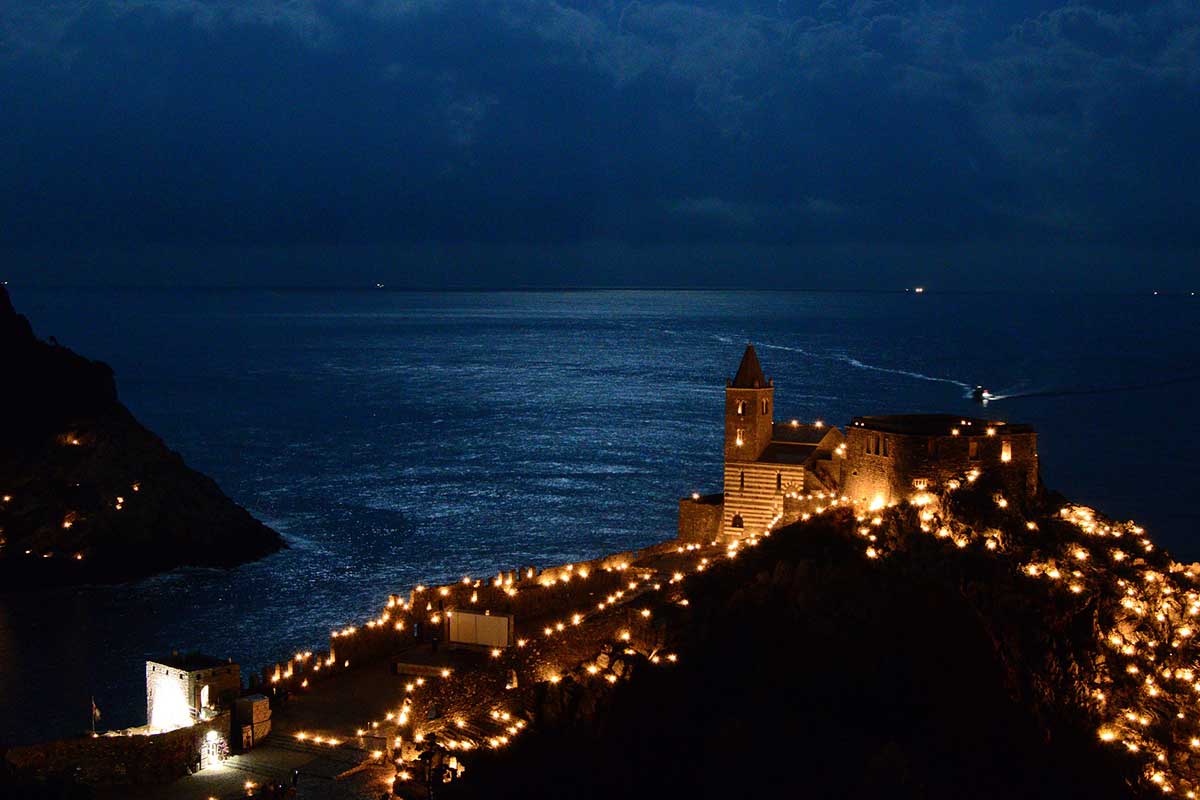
x: 277, y: 755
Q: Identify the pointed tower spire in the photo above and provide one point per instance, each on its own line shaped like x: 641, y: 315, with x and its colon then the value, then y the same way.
x: 749, y: 374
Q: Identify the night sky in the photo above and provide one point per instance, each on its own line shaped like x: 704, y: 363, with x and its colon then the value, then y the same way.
x: 799, y: 143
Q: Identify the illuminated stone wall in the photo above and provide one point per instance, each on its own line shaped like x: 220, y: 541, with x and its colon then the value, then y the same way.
x: 173, y: 695
x: 122, y: 758
x: 755, y: 492
x: 700, y: 518
x: 913, y: 461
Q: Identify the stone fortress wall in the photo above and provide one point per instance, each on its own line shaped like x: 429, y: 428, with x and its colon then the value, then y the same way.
x: 891, y: 459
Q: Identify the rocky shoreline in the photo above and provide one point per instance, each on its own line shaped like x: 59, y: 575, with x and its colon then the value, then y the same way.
x: 88, y: 494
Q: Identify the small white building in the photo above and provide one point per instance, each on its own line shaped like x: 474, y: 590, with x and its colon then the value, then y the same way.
x: 182, y: 690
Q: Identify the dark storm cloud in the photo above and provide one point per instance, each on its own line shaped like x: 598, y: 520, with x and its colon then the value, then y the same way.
x: 528, y: 121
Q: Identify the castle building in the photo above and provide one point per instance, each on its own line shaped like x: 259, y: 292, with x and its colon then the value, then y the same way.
x: 772, y: 469
x: 890, y: 459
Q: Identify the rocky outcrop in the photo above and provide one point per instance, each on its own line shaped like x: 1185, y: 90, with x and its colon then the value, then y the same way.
x: 87, y: 494
x: 931, y: 666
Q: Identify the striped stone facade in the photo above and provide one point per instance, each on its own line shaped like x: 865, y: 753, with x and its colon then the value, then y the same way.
x: 754, y: 493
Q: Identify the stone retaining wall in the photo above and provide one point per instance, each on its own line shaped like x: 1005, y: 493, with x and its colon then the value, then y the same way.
x: 120, y: 759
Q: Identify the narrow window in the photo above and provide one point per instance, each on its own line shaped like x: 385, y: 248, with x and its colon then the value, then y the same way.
x: 779, y: 481
x: 931, y: 445
x: 885, y: 446
x: 973, y: 449
x: 741, y: 481
x: 764, y: 406
x: 1006, y: 451
x: 741, y: 436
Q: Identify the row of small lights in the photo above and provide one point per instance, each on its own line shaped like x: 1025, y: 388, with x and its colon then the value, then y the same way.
x: 401, y: 717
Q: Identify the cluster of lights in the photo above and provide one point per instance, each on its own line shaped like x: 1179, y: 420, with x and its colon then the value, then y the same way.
x: 1151, y: 683
x: 69, y: 519
x: 636, y: 583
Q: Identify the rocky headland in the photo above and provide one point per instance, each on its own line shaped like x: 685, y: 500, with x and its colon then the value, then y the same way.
x: 909, y: 652
x: 87, y: 494
x: 975, y: 645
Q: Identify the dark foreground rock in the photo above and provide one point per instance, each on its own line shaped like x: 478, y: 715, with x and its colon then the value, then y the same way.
x: 87, y: 494
x: 808, y: 670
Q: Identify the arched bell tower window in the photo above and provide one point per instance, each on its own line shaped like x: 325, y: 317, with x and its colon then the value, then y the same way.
x: 765, y: 407
x: 741, y: 408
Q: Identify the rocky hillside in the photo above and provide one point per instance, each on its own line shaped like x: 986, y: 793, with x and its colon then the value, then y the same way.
x: 970, y: 647
x: 86, y: 493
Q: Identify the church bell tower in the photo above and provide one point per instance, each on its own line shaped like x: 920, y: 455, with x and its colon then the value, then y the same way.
x: 749, y: 410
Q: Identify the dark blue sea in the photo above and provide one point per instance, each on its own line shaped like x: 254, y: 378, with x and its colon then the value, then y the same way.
x: 397, y: 437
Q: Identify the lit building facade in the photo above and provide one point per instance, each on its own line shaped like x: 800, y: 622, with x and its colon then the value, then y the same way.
x: 891, y: 459
x: 182, y: 690
x: 765, y: 461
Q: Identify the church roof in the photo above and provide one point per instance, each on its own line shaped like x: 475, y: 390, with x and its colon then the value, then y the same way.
x: 787, y: 453
x: 798, y: 432
x: 749, y: 374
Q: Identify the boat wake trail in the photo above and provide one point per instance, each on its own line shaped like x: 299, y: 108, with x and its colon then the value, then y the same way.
x: 1068, y: 392
x: 857, y: 364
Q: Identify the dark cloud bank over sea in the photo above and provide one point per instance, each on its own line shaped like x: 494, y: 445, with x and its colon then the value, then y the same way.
x: 527, y: 142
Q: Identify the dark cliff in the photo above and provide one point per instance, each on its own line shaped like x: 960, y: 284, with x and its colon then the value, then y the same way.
x: 87, y: 494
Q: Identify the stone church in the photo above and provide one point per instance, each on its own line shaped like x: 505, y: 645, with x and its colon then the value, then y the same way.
x: 772, y: 469
x: 765, y: 461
